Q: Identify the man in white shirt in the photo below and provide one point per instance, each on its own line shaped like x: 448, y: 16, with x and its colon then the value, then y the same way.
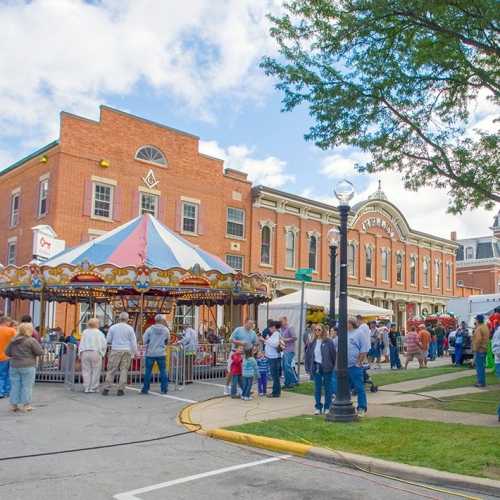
x: 92, y: 349
x: 363, y: 330
x: 121, y: 337
x: 189, y: 339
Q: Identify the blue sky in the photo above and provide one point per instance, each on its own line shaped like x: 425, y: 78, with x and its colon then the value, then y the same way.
x: 190, y: 65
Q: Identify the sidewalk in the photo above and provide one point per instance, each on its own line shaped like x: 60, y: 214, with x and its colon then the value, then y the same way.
x: 225, y: 412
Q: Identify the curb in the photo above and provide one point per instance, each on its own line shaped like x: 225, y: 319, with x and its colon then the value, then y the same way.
x: 372, y: 465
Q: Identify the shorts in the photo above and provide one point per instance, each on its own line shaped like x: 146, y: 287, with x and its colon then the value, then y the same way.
x: 414, y: 355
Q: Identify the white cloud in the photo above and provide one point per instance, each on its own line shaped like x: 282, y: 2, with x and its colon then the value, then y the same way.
x: 270, y: 171
x: 342, y: 161
x: 66, y: 54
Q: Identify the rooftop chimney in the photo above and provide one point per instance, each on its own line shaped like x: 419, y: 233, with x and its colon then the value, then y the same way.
x: 453, y: 236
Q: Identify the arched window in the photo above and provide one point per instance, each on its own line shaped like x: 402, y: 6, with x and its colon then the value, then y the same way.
x: 368, y: 262
x: 265, y: 245
x: 413, y: 270
x: 385, y: 265
x: 425, y: 270
x: 399, y: 268
x: 313, y: 248
x: 351, y: 260
x: 437, y: 274
x: 449, y: 272
x: 151, y: 154
x: 290, y: 249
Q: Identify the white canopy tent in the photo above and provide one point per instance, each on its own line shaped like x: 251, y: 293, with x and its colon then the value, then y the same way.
x: 289, y: 306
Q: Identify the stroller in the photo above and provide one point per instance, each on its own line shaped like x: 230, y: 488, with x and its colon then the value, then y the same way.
x: 367, y: 379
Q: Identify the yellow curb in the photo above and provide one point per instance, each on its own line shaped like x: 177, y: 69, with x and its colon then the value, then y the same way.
x: 261, y: 442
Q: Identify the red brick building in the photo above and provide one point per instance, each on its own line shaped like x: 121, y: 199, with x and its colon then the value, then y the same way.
x: 99, y: 174
x: 478, y: 260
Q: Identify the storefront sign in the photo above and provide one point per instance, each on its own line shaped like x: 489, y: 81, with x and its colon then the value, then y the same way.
x: 377, y: 222
x: 45, y: 243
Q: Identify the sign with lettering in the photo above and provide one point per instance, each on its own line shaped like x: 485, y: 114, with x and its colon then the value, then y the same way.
x: 378, y: 222
x: 45, y: 243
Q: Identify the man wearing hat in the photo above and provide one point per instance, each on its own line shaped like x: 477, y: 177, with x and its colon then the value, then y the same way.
x: 480, y: 346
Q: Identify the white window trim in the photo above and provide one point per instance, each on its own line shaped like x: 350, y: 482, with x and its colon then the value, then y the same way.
x: 111, y: 201
x: 14, y: 193
x: 231, y: 236
x: 42, y: 179
x: 12, y: 242
x: 157, y: 207
x: 242, y: 257
x: 196, y: 231
x: 353, y: 275
x: 161, y: 165
x: 144, y: 189
x: 271, y: 228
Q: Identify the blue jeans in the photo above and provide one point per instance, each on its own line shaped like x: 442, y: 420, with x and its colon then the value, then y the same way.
x: 262, y: 383
x: 433, y: 351
x: 246, y: 387
x: 290, y: 377
x: 458, y: 354
x: 497, y: 369
x: 394, y: 357
x: 480, y: 361
x: 236, y: 380
x: 322, y: 380
x: 161, y: 362
x: 22, y: 380
x: 274, y: 365
x: 356, y: 380
x: 4, y: 378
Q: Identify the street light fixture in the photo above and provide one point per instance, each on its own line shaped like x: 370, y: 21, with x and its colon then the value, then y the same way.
x: 342, y: 410
x: 333, y: 243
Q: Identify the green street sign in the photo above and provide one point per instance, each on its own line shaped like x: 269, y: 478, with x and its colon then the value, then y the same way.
x: 304, y: 274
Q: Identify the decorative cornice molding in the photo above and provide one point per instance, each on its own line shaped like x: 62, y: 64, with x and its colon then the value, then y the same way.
x: 294, y: 229
x: 316, y: 234
x: 267, y: 223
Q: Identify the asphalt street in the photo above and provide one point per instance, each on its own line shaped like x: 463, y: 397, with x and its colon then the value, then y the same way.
x: 183, y: 467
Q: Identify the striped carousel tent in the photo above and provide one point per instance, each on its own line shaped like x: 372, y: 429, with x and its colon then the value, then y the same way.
x: 142, y: 241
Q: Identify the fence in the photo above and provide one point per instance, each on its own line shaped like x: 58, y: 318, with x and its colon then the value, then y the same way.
x: 207, y: 362
x: 51, y: 365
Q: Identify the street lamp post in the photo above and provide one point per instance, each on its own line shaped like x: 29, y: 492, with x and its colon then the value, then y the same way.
x: 333, y: 242
x: 342, y: 410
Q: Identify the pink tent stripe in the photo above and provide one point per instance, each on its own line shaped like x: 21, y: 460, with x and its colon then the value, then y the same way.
x: 132, y: 251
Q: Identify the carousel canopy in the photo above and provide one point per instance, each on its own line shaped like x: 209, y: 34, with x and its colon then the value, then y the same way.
x: 143, y: 241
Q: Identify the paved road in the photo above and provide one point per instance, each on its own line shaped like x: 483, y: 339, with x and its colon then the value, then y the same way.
x: 184, y: 467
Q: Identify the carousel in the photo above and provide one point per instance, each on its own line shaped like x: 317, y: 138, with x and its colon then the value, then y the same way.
x: 141, y: 267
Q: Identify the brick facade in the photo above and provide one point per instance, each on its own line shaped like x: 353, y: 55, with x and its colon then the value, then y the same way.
x: 104, y: 152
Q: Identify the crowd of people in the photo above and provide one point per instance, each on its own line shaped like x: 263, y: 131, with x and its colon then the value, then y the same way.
x: 255, y: 357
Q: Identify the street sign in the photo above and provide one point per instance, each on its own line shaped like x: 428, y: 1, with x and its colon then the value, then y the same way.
x: 304, y: 274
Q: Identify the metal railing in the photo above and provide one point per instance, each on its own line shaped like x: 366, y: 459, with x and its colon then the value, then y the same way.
x: 60, y: 363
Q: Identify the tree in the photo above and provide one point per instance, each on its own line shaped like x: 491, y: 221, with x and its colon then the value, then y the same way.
x: 398, y: 79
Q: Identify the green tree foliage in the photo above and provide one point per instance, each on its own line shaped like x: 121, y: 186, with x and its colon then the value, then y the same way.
x: 399, y: 79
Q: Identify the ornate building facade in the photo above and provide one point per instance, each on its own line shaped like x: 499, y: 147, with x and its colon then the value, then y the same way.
x: 389, y: 264
x: 99, y: 174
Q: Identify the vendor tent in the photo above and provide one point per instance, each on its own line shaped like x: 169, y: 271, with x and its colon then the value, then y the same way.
x: 289, y: 306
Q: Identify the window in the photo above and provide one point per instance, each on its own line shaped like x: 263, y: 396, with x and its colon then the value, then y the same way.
x: 368, y: 262
x: 413, y: 270
x: 235, y: 222
x: 11, y: 252
x: 151, y: 155
x: 399, y: 268
x: 469, y: 253
x: 149, y: 204
x: 184, y: 315
x: 102, y: 200
x: 189, y: 217
x: 290, y: 249
x: 460, y: 282
x: 385, y: 265
x: 437, y: 273
x: 43, y: 193
x: 15, y: 202
x: 448, y: 275
x: 265, y: 245
x: 425, y: 269
x: 235, y: 261
x: 351, y: 259
x: 313, y: 246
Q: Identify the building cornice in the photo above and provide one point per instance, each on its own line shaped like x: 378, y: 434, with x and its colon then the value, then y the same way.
x: 463, y: 264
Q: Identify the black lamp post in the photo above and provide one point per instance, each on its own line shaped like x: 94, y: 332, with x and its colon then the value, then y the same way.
x: 342, y: 410
x: 333, y: 242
